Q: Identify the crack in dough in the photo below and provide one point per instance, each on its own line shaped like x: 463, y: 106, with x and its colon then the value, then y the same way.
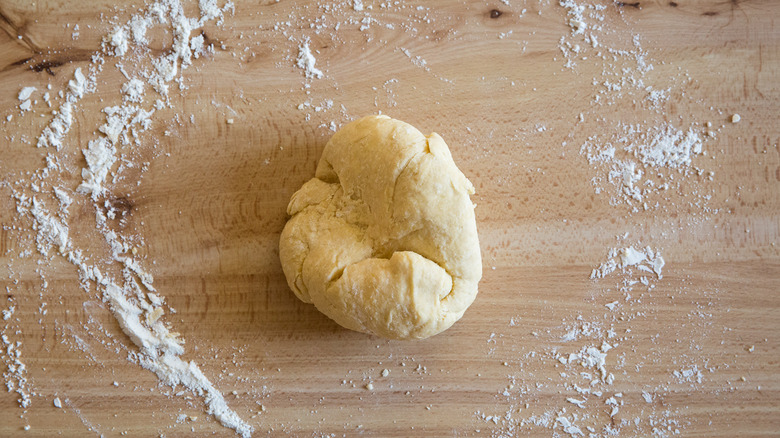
x: 383, y: 239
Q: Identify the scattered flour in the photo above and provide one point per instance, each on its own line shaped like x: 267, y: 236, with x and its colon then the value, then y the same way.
x: 60, y: 124
x: 645, y: 260
x: 306, y: 61
x: 568, y: 426
x: 667, y: 147
x: 688, y: 375
x: 26, y: 93
x: 24, y: 98
x: 16, y: 375
x: 640, y: 162
x: 133, y: 90
x: 641, y: 165
x: 140, y: 315
x: 576, y: 16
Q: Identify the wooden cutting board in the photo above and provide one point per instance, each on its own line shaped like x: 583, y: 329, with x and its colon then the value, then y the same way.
x: 516, y: 92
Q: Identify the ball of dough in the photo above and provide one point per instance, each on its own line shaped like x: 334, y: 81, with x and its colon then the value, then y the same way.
x: 383, y: 240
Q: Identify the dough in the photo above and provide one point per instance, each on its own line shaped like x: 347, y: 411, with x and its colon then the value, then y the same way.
x: 383, y: 240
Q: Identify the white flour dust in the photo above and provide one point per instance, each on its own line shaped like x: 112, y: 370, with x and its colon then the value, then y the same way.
x: 132, y: 298
x: 306, y: 61
x: 645, y: 164
x: 641, y: 164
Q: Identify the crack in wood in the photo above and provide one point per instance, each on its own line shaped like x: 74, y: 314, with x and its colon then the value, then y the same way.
x: 40, y: 62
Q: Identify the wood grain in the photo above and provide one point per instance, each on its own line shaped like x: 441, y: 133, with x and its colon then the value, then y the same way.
x: 209, y: 205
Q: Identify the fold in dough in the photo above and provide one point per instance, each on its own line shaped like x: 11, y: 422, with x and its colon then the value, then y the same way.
x: 383, y: 240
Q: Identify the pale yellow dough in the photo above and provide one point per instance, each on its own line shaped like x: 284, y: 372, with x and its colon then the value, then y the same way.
x: 383, y: 240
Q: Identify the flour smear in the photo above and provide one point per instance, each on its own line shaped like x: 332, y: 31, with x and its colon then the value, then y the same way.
x: 132, y: 298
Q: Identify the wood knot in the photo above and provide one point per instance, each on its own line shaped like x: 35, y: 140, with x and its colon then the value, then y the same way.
x: 206, y: 40
x: 46, y: 66
x: 495, y: 13
x: 673, y: 4
x: 634, y: 5
x: 118, y: 206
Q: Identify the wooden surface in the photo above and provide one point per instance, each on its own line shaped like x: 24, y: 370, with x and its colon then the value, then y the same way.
x: 208, y: 208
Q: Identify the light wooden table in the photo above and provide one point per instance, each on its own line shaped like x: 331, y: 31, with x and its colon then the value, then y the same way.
x: 208, y: 206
